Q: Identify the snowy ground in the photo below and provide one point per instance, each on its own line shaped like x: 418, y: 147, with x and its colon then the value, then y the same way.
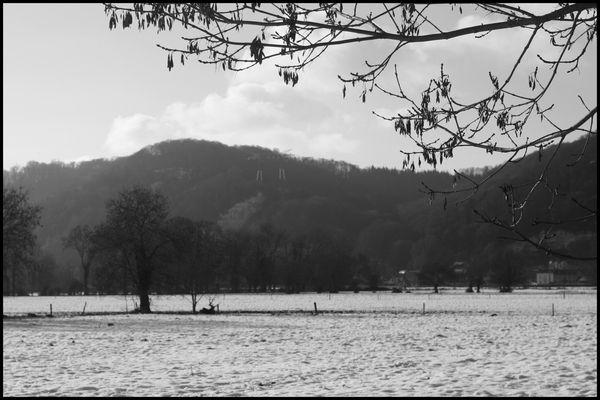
x: 382, y: 346
x: 523, y: 301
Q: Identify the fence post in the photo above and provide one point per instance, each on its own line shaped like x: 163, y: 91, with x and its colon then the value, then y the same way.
x: 316, y: 311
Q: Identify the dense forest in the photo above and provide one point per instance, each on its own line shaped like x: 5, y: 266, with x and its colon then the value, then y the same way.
x: 252, y: 219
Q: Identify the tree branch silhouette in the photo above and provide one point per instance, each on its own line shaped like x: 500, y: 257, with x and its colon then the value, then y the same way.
x: 242, y: 35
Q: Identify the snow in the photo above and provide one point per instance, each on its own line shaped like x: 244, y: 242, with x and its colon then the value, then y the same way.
x: 529, y: 301
x: 365, y: 344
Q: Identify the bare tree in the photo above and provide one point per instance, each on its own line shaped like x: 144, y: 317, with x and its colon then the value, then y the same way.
x: 80, y: 240
x: 267, y: 243
x: 19, y: 220
x: 197, y: 252
x: 436, y: 122
x: 135, y: 229
x: 505, y: 271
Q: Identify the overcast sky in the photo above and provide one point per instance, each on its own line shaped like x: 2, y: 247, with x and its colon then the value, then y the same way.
x: 74, y: 90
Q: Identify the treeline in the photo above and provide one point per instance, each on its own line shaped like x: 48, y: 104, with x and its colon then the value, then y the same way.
x: 319, y: 225
x: 208, y: 181
x: 139, y: 248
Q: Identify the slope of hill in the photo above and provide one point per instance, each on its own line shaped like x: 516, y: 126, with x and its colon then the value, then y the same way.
x: 381, y: 211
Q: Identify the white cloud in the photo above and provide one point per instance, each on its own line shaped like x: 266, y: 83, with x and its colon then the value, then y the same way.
x: 129, y: 134
x: 257, y: 108
x: 266, y: 115
x: 312, y: 119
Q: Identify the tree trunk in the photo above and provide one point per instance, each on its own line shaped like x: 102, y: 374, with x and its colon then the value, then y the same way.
x: 86, y: 275
x: 144, y: 272
x: 144, y: 303
x: 143, y: 292
x: 194, y: 301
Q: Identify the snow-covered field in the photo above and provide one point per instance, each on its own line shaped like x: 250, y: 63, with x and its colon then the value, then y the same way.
x: 523, y: 301
x: 372, y: 344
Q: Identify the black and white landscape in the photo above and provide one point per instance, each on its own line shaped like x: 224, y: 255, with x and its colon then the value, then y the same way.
x: 300, y: 200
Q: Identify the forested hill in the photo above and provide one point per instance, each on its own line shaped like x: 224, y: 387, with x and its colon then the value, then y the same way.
x: 381, y: 211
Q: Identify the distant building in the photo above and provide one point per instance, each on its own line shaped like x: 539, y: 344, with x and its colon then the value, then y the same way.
x: 408, y: 279
x: 544, y: 278
x: 560, y: 273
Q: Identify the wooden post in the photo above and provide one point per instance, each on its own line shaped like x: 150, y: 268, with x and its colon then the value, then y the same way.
x: 50, y: 309
x: 553, y: 309
x: 83, y: 312
x: 316, y: 311
x: 423, y: 308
